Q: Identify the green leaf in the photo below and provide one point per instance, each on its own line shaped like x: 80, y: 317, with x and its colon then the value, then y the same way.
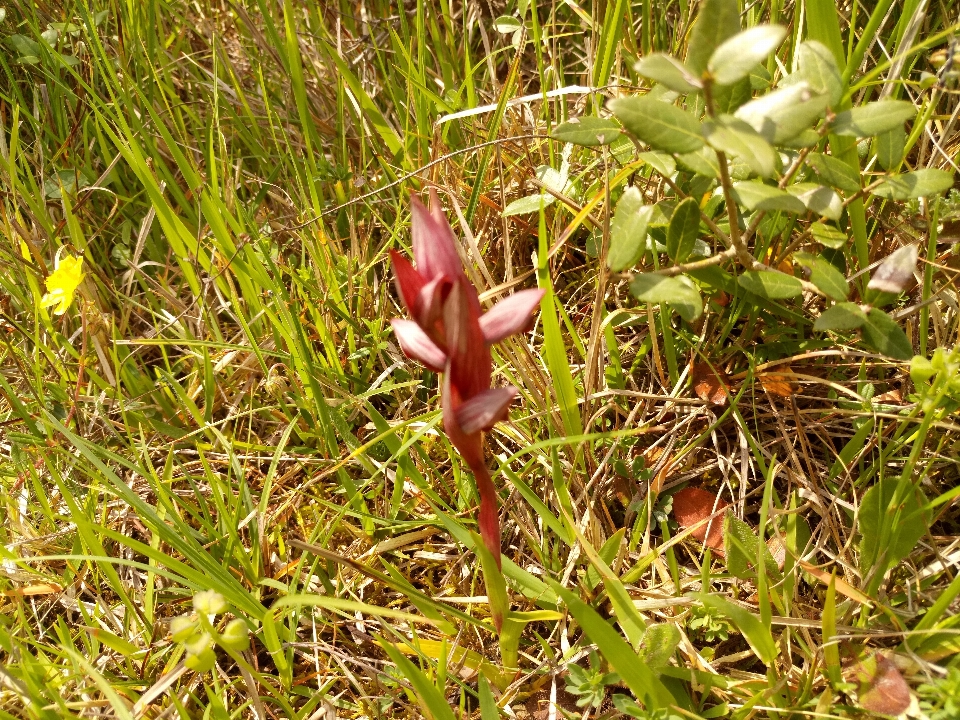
x: 716, y: 21
x: 834, y: 172
x: 661, y: 162
x: 662, y: 126
x: 890, y: 147
x: 587, y: 131
x: 820, y: 199
x: 735, y: 58
x: 702, y: 162
x: 875, y: 512
x: 659, y: 644
x: 828, y: 235
x: 683, y: 230
x: 758, y: 636
x: 818, y: 68
x: 883, y: 334
x: 785, y: 113
x: 742, y: 548
x: 628, y: 230
x: 824, y: 275
x: 770, y: 284
x: 667, y: 71
x: 638, y: 676
x: 873, y: 118
x: 506, y: 24
x: 680, y: 292
x: 735, y: 137
x: 757, y: 196
x: 431, y: 700
x: 842, y: 316
x: 916, y: 184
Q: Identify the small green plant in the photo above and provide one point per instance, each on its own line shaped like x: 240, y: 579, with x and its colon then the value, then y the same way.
x: 707, y: 624
x: 629, y: 707
x: 940, y: 698
x: 198, y: 635
x: 590, y: 683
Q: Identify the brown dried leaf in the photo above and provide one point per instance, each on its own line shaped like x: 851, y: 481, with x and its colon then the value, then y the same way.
x: 778, y: 550
x: 778, y: 383
x: 882, y: 687
x: 652, y: 457
x: 692, y: 505
x: 710, y: 383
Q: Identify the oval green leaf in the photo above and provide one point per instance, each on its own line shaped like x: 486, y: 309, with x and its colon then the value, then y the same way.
x: 824, y: 275
x: 757, y: 196
x: 916, y: 184
x: 680, y: 292
x: 735, y: 137
x: 628, y: 230
x: 842, y: 316
x: 873, y: 118
x: 770, y: 284
x: 785, y: 113
x: 820, y: 199
x: 587, y: 131
x: 883, y: 334
x: 662, y: 126
x: 834, y: 172
x: 735, y: 58
x: 818, y: 68
x: 828, y: 235
x: 667, y: 71
x: 683, y: 230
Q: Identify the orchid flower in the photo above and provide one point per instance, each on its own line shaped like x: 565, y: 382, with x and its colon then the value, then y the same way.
x: 449, y: 333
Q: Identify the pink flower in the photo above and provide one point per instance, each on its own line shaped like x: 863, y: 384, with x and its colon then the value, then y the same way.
x: 449, y: 333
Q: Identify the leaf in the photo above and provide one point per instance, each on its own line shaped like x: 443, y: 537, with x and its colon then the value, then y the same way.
x: 742, y: 548
x: 662, y: 126
x: 842, y: 316
x: 882, y: 688
x: 668, y: 71
x: 628, y: 230
x: 661, y: 162
x: 834, y: 172
x: 735, y: 58
x: 62, y: 284
x: 882, y: 333
x: 757, y: 196
x: 716, y: 21
x: 824, y: 275
x: 693, y: 505
x: 784, y: 113
x: 756, y: 634
x: 818, y: 68
x: 896, y: 271
x: 710, y: 383
x: 506, y: 24
x: 680, y: 292
x: 735, y: 137
x: 659, y: 644
x: 702, y: 162
x: 873, y: 118
x: 778, y: 383
x: 916, y: 184
x: 820, y: 199
x: 828, y: 235
x: 683, y: 229
x: 890, y: 147
x: 876, y: 511
x: 431, y: 700
x: 528, y: 204
x: 770, y: 284
x: 638, y: 676
x: 587, y: 131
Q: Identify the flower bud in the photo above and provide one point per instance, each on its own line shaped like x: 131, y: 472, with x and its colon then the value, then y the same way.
x: 202, y: 661
x: 209, y: 602
x: 235, y: 635
x: 182, y: 628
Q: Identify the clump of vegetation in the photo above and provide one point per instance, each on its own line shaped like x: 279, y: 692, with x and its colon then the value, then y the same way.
x: 671, y: 383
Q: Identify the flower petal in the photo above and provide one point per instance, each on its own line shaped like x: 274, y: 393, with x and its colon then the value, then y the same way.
x: 428, y: 309
x: 511, y: 315
x: 470, y: 362
x: 434, y: 244
x: 415, y: 344
x: 409, y: 281
x: 482, y: 411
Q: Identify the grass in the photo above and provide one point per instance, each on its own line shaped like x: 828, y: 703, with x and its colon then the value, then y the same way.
x: 225, y: 407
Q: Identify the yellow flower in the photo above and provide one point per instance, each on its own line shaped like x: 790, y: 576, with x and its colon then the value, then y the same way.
x: 62, y: 284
